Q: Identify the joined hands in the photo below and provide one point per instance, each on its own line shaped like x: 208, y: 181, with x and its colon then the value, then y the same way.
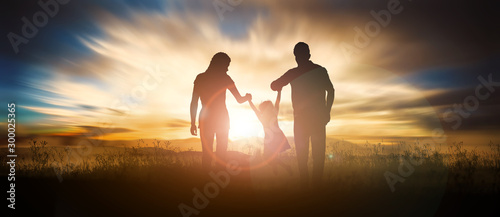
x: 248, y: 97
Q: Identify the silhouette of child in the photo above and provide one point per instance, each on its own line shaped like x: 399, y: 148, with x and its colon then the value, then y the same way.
x: 275, y: 140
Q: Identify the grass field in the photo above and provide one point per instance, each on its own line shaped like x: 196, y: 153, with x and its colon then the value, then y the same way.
x: 405, y: 179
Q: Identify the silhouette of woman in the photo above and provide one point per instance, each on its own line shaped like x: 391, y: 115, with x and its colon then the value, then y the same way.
x: 210, y: 87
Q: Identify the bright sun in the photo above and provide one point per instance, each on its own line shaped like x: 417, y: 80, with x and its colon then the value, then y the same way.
x: 244, y: 124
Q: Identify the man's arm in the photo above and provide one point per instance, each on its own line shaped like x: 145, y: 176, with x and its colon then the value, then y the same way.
x: 194, y: 109
x: 282, y: 81
x: 330, y: 96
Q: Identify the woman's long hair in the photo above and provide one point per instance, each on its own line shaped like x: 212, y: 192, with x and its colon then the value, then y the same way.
x: 219, y: 60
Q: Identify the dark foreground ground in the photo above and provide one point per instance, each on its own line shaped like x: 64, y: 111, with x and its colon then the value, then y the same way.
x: 141, y: 183
x: 49, y: 197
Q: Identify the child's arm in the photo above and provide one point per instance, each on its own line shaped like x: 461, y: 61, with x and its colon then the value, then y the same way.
x: 277, y: 103
x: 257, y: 112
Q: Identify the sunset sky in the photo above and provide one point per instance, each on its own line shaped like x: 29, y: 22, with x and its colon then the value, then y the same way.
x: 127, y: 68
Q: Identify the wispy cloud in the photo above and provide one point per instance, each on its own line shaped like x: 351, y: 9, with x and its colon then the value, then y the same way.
x: 166, y: 49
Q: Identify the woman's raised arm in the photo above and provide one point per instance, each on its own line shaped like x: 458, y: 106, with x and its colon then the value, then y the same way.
x: 240, y: 99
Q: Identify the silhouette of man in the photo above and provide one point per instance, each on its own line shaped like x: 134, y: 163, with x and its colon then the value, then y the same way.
x: 310, y: 83
x: 210, y: 87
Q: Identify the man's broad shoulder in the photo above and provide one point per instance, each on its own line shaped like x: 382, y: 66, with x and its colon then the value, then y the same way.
x: 319, y: 67
x: 322, y: 69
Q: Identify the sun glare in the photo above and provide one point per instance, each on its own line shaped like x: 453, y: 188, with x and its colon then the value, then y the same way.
x: 244, y: 124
